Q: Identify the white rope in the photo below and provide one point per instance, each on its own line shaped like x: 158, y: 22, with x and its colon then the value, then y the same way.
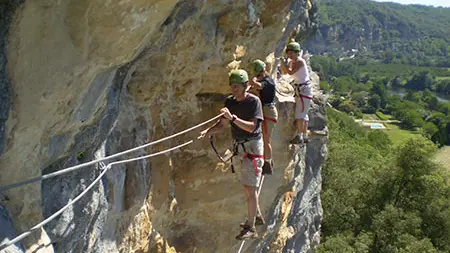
x: 70, y: 169
x: 259, y: 191
x: 242, y: 245
x: 260, y: 186
x: 53, y: 216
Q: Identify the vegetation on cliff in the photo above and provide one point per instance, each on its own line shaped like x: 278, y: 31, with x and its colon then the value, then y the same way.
x: 381, y: 198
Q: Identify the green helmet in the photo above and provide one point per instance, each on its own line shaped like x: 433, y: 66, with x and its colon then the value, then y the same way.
x: 238, y: 76
x: 258, y: 66
x: 294, y: 46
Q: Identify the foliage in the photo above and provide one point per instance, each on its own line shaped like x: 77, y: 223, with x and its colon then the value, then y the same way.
x: 378, y: 198
x: 325, y: 86
x: 430, y: 129
x: 409, y: 113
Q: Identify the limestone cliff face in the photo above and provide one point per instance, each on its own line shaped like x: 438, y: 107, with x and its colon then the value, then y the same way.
x: 86, y: 79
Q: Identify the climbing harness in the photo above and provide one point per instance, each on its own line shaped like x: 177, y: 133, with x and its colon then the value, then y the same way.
x: 235, y: 152
x: 299, y: 86
x: 252, y: 157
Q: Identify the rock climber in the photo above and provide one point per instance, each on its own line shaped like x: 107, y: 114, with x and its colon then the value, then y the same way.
x: 297, y: 68
x: 244, y: 112
x: 266, y: 86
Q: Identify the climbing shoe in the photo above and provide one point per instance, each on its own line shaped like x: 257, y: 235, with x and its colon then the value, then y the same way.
x: 247, y: 233
x: 296, y: 140
x: 259, y: 221
x: 267, y: 168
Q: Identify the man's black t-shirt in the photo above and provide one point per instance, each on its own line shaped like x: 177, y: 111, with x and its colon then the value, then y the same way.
x: 267, y: 93
x: 248, y: 109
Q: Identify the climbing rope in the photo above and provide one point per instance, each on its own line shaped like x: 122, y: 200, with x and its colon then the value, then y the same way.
x: 105, y: 169
x: 259, y: 191
x: 77, y: 167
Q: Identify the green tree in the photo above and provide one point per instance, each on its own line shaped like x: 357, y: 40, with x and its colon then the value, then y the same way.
x: 430, y: 99
x: 396, y: 82
x: 420, y: 81
x: 359, y: 98
x: 348, y: 107
x: 430, y: 129
x: 379, y: 140
x: 375, y: 101
x: 338, y: 243
x: 392, y: 223
x: 413, y: 162
x: 379, y: 199
x: 436, y: 118
x: 410, y: 244
x: 343, y: 84
x: 410, y: 118
x: 379, y: 88
x: 435, y: 212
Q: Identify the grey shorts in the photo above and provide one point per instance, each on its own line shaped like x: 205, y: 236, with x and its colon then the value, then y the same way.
x: 302, y: 105
x: 250, y: 167
x: 303, y: 97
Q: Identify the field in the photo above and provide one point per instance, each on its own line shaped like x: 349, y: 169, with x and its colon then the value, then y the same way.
x: 395, y: 133
x: 439, y: 78
x: 370, y: 117
x: 443, y: 156
x: 398, y: 135
x: 383, y: 116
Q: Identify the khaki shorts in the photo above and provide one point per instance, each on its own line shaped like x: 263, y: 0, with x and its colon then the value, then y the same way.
x: 270, y: 119
x: 250, y: 174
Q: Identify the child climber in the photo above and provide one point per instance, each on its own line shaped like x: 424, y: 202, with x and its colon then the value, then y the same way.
x: 266, y: 86
x: 297, y: 68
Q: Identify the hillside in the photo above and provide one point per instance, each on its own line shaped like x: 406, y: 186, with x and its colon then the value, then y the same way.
x: 393, y: 33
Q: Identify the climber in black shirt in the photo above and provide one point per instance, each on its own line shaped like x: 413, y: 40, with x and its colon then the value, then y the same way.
x: 266, y: 86
x: 243, y: 111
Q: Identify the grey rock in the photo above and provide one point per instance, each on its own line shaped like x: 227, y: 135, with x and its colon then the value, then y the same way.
x: 317, y: 113
x: 136, y: 174
x: 7, y: 9
x: 306, y: 214
x: 92, y: 98
x: 71, y: 231
x: 7, y: 232
x: 56, y: 142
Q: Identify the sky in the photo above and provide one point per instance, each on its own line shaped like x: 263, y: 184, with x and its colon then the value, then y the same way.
x: 445, y: 3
